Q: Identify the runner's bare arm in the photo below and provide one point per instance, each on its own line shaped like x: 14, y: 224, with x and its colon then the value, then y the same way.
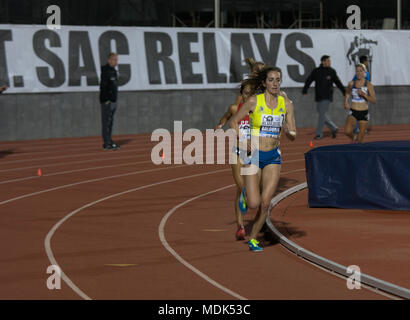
x: 248, y: 106
x: 227, y: 115
x: 238, y: 99
x: 371, y: 97
x: 347, y: 95
x: 290, y: 120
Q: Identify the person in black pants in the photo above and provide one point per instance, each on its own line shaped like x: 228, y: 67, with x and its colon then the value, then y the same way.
x: 324, y: 77
x: 108, y: 100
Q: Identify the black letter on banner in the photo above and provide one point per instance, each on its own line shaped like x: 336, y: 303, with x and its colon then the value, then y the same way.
x: 186, y: 57
x: 269, y: 56
x: 104, y: 45
x: 79, y: 41
x: 239, y: 42
x: 211, y: 60
x: 5, y: 35
x: 154, y: 57
x: 293, y: 52
x: 43, y: 73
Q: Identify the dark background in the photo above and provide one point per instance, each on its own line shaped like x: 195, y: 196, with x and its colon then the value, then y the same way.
x: 199, y: 13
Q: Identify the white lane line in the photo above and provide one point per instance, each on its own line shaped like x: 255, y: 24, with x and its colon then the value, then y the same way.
x: 47, y: 241
x: 22, y: 150
x: 368, y: 282
x: 103, y: 159
x: 179, y: 258
x: 101, y: 167
x: 72, y: 162
x: 108, y: 152
x: 86, y: 181
x: 100, y: 153
x: 73, y: 171
x: 98, y: 179
x: 161, y: 232
x: 92, y: 141
x: 50, y: 149
x: 375, y: 134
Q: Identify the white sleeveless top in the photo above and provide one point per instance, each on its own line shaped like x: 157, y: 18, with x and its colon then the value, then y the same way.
x: 355, y: 95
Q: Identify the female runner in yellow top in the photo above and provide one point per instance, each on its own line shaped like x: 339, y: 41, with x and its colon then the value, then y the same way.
x: 268, y: 113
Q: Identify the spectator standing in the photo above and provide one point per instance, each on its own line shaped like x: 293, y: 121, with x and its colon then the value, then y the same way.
x: 324, y: 77
x: 108, y: 100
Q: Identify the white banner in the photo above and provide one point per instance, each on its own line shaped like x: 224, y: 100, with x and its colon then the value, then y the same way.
x: 36, y: 59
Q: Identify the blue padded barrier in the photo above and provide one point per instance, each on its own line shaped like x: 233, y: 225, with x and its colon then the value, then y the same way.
x: 373, y: 175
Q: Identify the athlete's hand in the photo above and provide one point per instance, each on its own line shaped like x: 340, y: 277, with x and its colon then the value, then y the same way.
x: 219, y: 126
x: 361, y: 93
x: 347, y: 107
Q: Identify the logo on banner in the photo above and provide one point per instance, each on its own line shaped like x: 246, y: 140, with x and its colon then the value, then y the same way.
x: 360, y: 46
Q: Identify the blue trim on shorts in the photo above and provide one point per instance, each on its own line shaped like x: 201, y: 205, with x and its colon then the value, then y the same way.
x: 266, y: 158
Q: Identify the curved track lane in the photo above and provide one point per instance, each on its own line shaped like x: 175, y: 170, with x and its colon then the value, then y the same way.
x: 119, y: 206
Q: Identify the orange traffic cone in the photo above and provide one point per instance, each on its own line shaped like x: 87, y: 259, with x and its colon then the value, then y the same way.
x: 311, y: 144
x: 39, y: 173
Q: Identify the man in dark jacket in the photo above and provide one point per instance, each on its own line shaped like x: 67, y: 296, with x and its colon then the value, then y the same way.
x: 324, y: 77
x: 108, y: 99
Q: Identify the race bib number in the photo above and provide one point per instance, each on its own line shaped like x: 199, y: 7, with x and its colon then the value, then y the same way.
x: 271, y: 125
x: 244, y: 131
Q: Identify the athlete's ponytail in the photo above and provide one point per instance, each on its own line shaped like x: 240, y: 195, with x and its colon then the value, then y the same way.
x: 254, y: 66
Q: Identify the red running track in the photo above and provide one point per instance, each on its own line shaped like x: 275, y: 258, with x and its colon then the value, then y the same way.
x: 102, y: 214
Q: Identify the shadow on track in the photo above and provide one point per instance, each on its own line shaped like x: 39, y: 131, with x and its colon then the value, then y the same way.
x: 6, y: 153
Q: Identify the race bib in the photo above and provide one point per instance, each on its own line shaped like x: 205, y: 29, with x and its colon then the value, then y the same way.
x: 271, y: 125
x: 244, y: 131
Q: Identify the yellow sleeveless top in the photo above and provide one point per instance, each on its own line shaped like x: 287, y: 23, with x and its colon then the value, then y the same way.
x: 265, y: 122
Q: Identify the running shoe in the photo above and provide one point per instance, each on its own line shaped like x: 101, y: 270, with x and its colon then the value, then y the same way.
x: 242, y: 202
x: 240, y: 233
x: 254, y: 245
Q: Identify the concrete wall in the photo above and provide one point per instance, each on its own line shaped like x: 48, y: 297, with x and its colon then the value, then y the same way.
x: 54, y: 115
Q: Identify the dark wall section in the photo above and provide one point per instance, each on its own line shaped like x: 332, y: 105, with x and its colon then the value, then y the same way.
x: 54, y: 115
